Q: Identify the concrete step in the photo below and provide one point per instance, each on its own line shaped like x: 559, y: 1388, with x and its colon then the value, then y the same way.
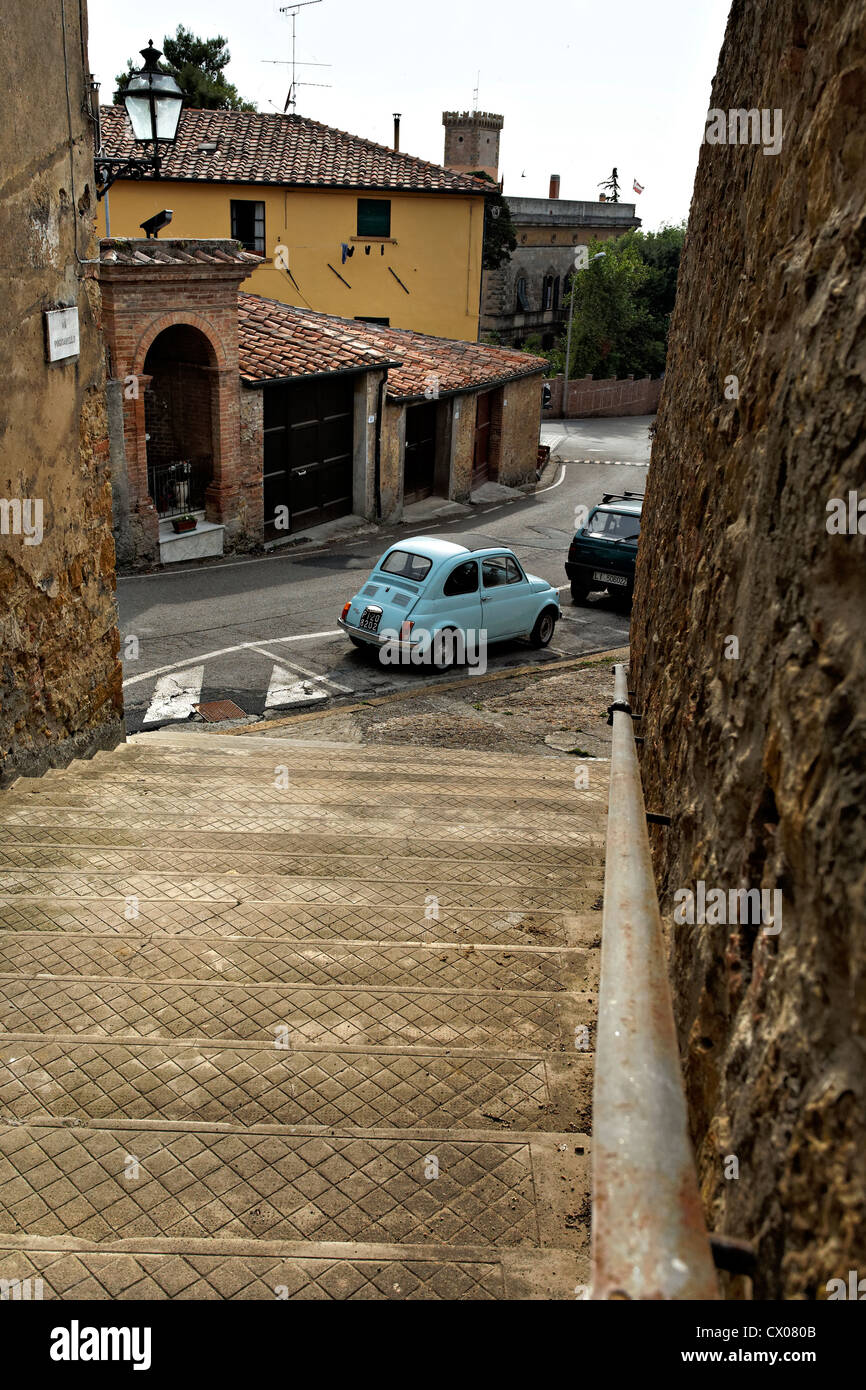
x: 539, y: 870
x: 300, y: 922
x: 292, y: 1016
x: 297, y: 1270
x: 246, y: 1084
x: 317, y: 963
x: 277, y: 888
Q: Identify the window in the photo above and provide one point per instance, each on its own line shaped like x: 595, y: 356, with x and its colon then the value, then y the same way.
x: 499, y: 570
x: 547, y: 293
x: 462, y: 580
x: 614, y: 526
x: 248, y: 224
x: 406, y: 565
x: 374, y: 217
x: 368, y: 318
x: 556, y: 286
x: 522, y: 301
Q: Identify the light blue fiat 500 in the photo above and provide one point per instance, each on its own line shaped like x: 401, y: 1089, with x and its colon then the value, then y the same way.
x: 433, y: 602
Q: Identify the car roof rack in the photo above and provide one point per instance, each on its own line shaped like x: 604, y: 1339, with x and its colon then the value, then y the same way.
x: 620, y: 497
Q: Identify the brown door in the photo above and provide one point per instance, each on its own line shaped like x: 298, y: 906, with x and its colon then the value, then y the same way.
x: 481, y: 457
x: 420, y: 455
x: 308, y: 437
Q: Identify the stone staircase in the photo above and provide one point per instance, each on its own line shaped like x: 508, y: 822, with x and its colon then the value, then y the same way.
x: 287, y: 1020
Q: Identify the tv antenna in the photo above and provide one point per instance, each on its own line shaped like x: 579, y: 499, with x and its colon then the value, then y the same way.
x: 477, y: 89
x: 292, y: 99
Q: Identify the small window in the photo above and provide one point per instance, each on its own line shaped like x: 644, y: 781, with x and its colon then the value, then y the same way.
x: 368, y: 318
x: 248, y: 224
x: 499, y: 570
x: 556, y: 289
x: 407, y: 565
x: 462, y: 580
x: 374, y: 217
x: 547, y: 293
x: 522, y: 300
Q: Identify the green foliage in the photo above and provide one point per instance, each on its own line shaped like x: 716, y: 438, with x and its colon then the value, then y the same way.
x: 198, y: 67
x: 500, y: 237
x: 622, y: 306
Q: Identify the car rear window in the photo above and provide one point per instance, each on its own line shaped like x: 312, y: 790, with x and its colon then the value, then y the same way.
x: 622, y: 526
x: 406, y: 565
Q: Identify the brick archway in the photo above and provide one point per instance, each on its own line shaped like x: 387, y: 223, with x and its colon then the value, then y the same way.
x: 180, y: 320
x: 150, y: 288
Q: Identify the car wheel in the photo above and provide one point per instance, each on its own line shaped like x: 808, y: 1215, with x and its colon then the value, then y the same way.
x: 579, y: 592
x: 445, y: 650
x: 545, y: 626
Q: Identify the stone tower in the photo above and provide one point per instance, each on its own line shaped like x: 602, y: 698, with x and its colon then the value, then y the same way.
x: 472, y: 141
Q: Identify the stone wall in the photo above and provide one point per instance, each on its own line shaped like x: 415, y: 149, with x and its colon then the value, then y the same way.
x: 588, y: 398
x: 519, y: 427
x: 60, y: 680
x: 749, y: 646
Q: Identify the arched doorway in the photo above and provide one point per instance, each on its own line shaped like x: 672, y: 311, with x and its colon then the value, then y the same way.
x: 179, y: 405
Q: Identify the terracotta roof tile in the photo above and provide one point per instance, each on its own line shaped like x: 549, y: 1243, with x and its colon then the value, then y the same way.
x: 269, y: 148
x: 279, y: 340
x: 185, y: 251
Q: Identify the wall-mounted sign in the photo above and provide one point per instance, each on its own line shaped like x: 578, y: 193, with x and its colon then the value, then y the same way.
x: 61, y: 333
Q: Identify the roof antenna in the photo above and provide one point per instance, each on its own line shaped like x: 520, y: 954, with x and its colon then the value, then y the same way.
x: 475, y: 93
x: 291, y: 99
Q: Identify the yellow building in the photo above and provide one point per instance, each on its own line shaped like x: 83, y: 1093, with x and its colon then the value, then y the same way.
x: 344, y: 226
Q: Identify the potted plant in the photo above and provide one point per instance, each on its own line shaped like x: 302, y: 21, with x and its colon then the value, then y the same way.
x: 187, y: 522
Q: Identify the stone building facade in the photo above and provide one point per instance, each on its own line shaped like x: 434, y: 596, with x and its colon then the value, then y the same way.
x: 472, y: 142
x: 749, y: 658
x: 526, y: 296
x: 60, y: 678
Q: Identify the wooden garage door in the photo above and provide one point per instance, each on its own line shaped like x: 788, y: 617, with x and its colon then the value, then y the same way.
x: 481, y: 456
x: 420, y: 453
x: 308, y: 442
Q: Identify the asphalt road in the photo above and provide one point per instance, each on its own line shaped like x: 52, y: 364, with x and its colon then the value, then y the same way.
x: 263, y: 633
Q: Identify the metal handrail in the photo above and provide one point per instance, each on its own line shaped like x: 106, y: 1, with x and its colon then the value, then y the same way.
x: 649, y: 1240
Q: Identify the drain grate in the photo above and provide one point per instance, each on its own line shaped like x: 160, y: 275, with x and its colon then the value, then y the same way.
x: 216, y: 711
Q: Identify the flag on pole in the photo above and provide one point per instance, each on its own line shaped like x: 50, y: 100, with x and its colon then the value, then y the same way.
x: 638, y: 187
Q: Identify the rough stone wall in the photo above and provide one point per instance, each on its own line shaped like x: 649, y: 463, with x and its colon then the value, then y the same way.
x: 519, y: 427
x: 60, y: 680
x: 760, y: 757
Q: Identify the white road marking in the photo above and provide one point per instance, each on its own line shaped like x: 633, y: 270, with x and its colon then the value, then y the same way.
x: 560, y: 479
x: 286, y: 689
x: 226, y: 651
x: 175, y: 696
x: 296, y: 667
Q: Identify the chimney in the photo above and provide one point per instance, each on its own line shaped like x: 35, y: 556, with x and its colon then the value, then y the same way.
x: 396, y: 130
x: 554, y: 186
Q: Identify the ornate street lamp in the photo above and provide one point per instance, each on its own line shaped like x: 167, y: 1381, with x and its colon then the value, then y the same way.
x: 153, y: 102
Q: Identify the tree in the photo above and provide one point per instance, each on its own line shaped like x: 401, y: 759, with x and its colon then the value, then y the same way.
x: 197, y: 66
x: 622, y: 306
x: 500, y: 237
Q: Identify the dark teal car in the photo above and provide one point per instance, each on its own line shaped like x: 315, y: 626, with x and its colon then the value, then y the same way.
x: 603, y: 552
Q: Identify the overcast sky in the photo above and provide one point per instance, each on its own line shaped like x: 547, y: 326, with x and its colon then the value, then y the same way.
x: 583, y: 85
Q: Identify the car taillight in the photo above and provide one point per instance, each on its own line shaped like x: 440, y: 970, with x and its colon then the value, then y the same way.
x: 345, y: 611
x: 572, y: 551
x: 406, y: 630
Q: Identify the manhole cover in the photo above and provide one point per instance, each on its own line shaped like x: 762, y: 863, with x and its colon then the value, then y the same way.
x: 216, y: 711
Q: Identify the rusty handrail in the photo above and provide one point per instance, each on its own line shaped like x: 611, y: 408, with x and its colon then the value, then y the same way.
x: 649, y: 1240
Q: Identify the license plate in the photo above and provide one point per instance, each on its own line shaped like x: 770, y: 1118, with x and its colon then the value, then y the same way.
x: 604, y: 578
x: 370, y: 619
